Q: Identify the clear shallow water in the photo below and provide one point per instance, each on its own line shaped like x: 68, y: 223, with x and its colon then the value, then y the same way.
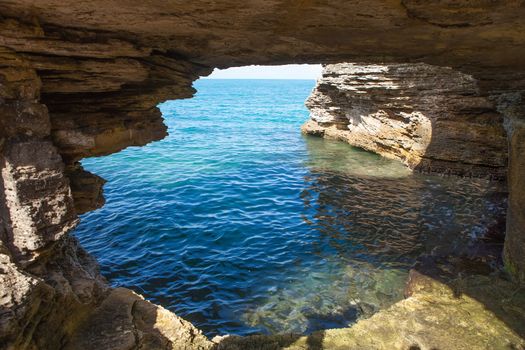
x: 241, y: 225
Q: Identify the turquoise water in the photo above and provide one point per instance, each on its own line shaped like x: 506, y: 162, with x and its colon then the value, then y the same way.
x: 242, y: 225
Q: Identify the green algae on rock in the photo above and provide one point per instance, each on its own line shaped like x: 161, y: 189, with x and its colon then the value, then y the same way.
x: 433, y: 317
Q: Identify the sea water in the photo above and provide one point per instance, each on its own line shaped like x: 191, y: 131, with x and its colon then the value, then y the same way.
x: 242, y: 225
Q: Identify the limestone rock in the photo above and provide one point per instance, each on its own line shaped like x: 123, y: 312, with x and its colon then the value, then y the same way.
x: 37, y: 207
x: 86, y: 189
x: 21, y: 299
x: 38, y: 197
x: 515, y: 238
x: 42, y: 302
x: 431, y: 118
x: 124, y: 321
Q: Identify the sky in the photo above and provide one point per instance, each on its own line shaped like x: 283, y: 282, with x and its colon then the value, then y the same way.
x: 290, y: 71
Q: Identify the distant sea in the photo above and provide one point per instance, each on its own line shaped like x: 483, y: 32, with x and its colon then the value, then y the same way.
x: 241, y: 225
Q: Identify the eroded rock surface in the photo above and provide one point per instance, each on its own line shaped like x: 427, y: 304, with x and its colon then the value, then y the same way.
x: 37, y: 207
x: 124, y: 320
x: 49, y: 286
x: 431, y: 118
x: 514, y: 108
x: 43, y: 302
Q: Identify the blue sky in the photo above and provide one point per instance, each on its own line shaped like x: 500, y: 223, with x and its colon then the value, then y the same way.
x: 290, y: 71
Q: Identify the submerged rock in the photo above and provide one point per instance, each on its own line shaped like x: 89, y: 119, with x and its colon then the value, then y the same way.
x: 435, y: 316
x: 308, y: 305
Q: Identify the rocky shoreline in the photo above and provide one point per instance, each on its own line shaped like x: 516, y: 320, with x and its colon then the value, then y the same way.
x: 433, y: 119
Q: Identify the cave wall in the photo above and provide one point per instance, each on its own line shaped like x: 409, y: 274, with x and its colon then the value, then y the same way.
x: 512, y: 105
x: 82, y: 79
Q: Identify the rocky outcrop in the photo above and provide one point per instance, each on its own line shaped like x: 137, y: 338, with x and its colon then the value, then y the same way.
x: 431, y: 118
x: 434, y: 119
x: 49, y: 286
x: 42, y: 303
x: 81, y: 79
x: 86, y: 189
x: 124, y: 320
x: 37, y: 208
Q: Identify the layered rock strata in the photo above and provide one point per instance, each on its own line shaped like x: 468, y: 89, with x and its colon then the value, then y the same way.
x: 434, y: 119
x: 50, y: 288
x: 80, y: 79
x: 515, y: 236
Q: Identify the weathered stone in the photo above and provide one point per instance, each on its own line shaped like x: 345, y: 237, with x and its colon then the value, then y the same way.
x: 37, y: 194
x: 40, y: 304
x: 124, y: 321
x: 38, y: 207
x: 431, y: 118
x: 21, y: 299
x: 86, y: 189
x: 515, y: 238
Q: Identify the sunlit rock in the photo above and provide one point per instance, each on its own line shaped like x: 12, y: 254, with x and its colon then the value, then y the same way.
x: 431, y: 118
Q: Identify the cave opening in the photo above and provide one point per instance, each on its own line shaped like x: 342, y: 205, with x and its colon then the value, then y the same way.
x: 242, y: 225
x: 83, y: 79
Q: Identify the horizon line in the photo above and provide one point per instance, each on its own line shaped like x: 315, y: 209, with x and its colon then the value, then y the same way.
x: 207, y: 78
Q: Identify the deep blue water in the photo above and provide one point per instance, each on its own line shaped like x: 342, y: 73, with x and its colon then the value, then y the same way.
x: 240, y: 224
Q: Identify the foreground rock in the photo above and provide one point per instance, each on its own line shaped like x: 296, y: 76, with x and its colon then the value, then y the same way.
x: 435, y: 316
x: 42, y: 303
x: 64, y: 303
x: 124, y: 320
x: 431, y: 118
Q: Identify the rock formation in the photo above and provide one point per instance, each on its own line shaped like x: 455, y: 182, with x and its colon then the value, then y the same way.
x: 431, y: 118
x: 81, y: 79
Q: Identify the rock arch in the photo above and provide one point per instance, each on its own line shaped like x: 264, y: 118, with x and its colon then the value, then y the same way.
x: 80, y: 79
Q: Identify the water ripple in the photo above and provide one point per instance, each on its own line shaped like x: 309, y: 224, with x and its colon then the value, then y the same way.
x: 241, y: 225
